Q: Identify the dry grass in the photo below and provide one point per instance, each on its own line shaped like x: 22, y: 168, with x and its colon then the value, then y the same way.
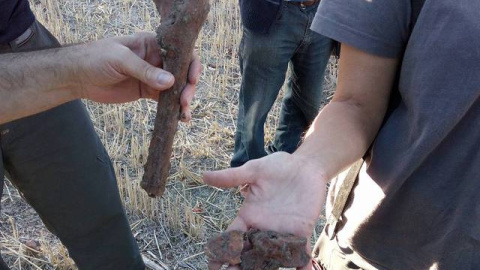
x: 171, y: 230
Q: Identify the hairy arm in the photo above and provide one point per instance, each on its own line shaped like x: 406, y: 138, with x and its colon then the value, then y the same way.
x: 114, y: 70
x: 36, y: 81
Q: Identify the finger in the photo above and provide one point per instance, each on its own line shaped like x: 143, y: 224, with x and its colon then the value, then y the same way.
x: 233, y: 268
x: 152, y: 76
x: 214, y: 265
x: 309, y: 266
x: 136, y: 40
x: 187, y: 95
x: 238, y: 224
x: 146, y: 35
x: 195, y: 70
x: 152, y: 54
x: 308, y: 249
x: 145, y: 45
x: 229, y: 178
x: 185, y: 99
x: 186, y: 115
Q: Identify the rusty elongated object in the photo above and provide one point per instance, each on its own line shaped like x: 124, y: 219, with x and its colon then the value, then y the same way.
x: 181, y: 23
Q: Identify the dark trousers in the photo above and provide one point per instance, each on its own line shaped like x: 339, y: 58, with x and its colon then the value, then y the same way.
x: 61, y: 168
x: 264, y: 60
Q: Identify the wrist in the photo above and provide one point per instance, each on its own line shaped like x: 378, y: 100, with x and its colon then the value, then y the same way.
x: 74, y: 69
x: 311, y: 163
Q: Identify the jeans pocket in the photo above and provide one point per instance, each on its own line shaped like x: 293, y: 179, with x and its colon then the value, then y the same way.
x: 29, y: 34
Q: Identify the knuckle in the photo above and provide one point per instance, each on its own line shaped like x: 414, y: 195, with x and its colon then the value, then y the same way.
x: 251, y: 165
x: 122, y: 51
x: 184, y: 102
x: 148, y: 72
x: 137, y: 35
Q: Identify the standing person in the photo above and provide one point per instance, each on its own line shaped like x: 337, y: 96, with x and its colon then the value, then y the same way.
x: 415, y: 204
x: 48, y: 146
x: 277, y: 34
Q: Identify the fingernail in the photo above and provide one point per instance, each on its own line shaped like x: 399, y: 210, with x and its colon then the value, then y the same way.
x: 186, y: 116
x: 164, y: 78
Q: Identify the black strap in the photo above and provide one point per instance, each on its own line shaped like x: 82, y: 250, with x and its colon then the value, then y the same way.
x: 349, y: 181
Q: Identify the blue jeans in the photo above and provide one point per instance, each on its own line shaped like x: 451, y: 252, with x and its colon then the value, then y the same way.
x: 264, y: 59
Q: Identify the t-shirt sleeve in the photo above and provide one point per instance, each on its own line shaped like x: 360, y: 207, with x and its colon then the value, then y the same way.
x: 380, y: 27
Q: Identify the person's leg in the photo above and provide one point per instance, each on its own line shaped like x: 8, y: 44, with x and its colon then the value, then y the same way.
x: 263, y: 62
x: 303, y: 97
x: 59, y: 165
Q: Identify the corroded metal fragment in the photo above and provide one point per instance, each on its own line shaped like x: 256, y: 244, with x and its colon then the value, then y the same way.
x: 258, y: 250
x: 226, y: 247
x: 181, y: 24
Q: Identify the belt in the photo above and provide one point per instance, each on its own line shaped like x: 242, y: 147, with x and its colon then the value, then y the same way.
x: 304, y: 3
x: 19, y: 41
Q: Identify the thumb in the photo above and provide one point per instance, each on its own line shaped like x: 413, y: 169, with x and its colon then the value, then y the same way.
x: 229, y: 178
x: 140, y: 69
x: 309, y: 266
x: 238, y: 224
x: 308, y: 249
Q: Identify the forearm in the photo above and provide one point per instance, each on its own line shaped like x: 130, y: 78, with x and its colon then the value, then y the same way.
x: 346, y: 127
x: 340, y: 135
x: 36, y: 81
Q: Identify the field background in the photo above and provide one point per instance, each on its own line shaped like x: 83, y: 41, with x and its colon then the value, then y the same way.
x: 173, y: 230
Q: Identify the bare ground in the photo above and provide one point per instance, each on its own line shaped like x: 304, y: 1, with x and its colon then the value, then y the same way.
x: 170, y: 231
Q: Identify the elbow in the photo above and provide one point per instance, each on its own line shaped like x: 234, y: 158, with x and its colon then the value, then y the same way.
x: 367, y: 117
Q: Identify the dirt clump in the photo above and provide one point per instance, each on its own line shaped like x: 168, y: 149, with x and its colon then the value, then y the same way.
x: 258, y: 250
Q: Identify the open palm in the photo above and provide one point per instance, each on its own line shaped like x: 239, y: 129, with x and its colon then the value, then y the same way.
x: 283, y: 193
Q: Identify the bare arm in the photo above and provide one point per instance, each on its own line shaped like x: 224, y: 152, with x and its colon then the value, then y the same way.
x: 114, y: 70
x: 33, y: 82
x: 345, y: 128
x: 286, y: 193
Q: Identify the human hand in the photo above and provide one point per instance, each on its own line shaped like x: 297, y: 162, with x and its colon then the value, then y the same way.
x: 283, y: 193
x: 127, y: 68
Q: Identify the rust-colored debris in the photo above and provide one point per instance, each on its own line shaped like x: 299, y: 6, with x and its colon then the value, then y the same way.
x: 258, y: 250
x: 181, y: 24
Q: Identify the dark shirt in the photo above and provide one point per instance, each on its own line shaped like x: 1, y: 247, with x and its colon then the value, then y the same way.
x: 259, y: 15
x: 417, y: 205
x: 15, y: 18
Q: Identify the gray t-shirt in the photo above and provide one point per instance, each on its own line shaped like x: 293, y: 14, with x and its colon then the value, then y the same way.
x: 417, y: 206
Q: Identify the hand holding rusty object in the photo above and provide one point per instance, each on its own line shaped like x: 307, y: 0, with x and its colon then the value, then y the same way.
x: 257, y: 250
x: 181, y: 24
